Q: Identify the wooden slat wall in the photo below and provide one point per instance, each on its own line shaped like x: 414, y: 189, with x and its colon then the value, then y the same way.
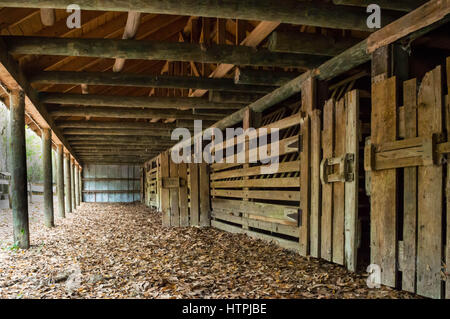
x: 247, y: 201
x: 152, y: 171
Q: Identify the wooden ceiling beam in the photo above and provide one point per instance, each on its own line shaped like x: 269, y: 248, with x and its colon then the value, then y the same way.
x: 309, y: 43
x: 143, y: 80
x: 48, y: 17
x: 286, y: 11
x: 146, y: 50
x: 107, y: 112
x: 261, y: 77
x: 151, y: 102
x: 117, y: 131
x: 111, y: 125
x: 131, y: 27
x: 400, y: 5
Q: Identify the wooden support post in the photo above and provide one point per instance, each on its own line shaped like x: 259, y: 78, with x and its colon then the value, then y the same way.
x: 72, y: 185
x: 80, y: 186
x: 48, y: 175
x: 68, y: 184
x: 447, y: 120
x: 60, y: 181
x: 315, y: 231
x: 21, y: 232
x: 77, y: 185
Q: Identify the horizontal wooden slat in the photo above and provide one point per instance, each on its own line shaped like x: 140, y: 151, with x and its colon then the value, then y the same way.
x: 287, y: 244
x: 256, y: 170
x: 273, y: 195
x: 269, y: 183
x: 273, y: 227
x: 110, y: 191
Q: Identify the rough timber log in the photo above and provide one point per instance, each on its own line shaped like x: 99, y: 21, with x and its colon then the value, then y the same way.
x: 115, y: 132
x: 121, y: 139
x: 308, y: 43
x: 60, y: 181
x: 144, y: 80
x: 400, y: 5
x: 48, y: 17
x: 72, y: 185
x: 258, y: 77
x: 285, y: 11
x: 48, y: 177
x: 134, y: 102
x: 147, y: 50
x: 132, y: 113
x: 18, y: 161
x: 68, y: 185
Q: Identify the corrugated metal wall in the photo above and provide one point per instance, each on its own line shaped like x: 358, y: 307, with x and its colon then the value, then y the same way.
x: 111, y: 183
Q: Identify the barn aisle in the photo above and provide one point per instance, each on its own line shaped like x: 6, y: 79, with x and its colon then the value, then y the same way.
x: 122, y: 251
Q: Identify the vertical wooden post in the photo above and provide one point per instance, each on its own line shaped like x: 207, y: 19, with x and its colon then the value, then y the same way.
x: 19, y: 170
x: 48, y: 177
x: 174, y: 196
x: 80, y: 186
x: 447, y: 120
x: 60, y: 181
x: 77, y: 185
x: 68, y: 183
x: 72, y: 185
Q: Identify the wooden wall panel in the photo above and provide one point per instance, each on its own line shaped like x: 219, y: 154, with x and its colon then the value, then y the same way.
x: 165, y: 193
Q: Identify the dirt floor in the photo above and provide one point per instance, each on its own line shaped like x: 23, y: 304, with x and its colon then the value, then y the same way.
x: 122, y: 251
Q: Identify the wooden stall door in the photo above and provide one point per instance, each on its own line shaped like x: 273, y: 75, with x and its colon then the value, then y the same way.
x: 339, y: 177
x: 184, y: 188
x: 410, y: 239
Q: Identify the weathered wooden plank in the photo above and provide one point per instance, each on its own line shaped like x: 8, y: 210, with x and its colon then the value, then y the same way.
x: 339, y: 187
x: 268, y: 183
x: 315, y: 219
x: 410, y: 193
x: 165, y: 193
x: 309, y: 43
x: 260, y: 77
x: 147, y: 80
x: 285, y: 11
x: 327, y: 189
x: 205, y: 219
x: 273, y: 195
x: 259, y: 224
x: 284, y: 167
x: 352, y: 187
x: 429, y: 207
x: 384, y: 183
x: 184, y: 213
x: 255, y: 208
x: 287, y: 244
x: 428, y: 14
x: 151, y: 102
x: 401, y: 5
x: 194, y: 195
x: 153, y: 50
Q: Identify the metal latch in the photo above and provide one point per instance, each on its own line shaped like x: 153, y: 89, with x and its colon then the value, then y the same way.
x: 345, y: 169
